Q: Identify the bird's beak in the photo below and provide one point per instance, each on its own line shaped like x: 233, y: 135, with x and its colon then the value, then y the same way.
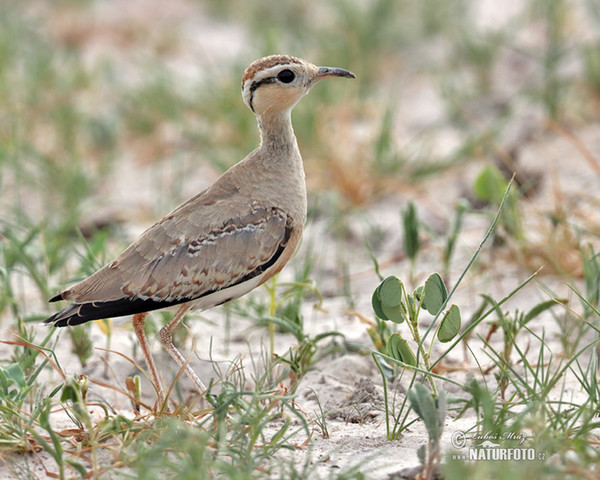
x: 324, y: 72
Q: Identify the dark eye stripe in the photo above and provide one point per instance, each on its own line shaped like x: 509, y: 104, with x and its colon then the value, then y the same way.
x: 255, y: 86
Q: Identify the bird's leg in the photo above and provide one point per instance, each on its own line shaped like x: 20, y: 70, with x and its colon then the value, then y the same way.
x: 139, y: 321
x: 166, y: 338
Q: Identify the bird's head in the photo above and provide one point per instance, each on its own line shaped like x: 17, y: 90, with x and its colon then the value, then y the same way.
x: 277, y: 82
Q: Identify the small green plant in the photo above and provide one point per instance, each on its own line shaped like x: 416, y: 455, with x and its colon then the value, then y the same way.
x: 483, y: 402
x: 432, y: 411
x: 490, y: 186
x: 386, y: 159
x: 392, y: 303
x: 240, y: 418
x: 554, y: 86
x: 412, y: 241
x: 321, y: 418
x: 459, y: 211
x: 25, y: 413
x: 511, y: 326
x: 54, y: 446
x: 284, y: 309
x: 540, y: 413
x: 283, y: 313
x: 592, y: 66
x: 591, y: 274
x: 83, y: 347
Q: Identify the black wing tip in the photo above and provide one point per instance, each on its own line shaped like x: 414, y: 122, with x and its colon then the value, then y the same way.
x: 56, y: 298
x: 56, y: 320
x: 78, y: 313
x: 49, y: 321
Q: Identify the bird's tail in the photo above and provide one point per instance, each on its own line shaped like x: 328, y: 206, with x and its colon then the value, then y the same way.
x: 78, y: 313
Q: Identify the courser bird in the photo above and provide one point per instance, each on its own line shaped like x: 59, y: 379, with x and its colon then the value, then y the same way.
x: 223, y: 242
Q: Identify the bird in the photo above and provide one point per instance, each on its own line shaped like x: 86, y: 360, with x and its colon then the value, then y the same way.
x: 225, y: 241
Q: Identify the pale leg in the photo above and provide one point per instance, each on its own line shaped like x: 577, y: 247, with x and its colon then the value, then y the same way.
x: 166, y: 338
x: 139, y: 321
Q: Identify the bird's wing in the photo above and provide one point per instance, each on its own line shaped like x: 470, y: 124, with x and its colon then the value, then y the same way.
x: 179, y: 259
x: 199, y: 264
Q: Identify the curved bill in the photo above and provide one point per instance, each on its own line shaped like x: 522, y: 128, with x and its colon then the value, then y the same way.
x: 325, y: 72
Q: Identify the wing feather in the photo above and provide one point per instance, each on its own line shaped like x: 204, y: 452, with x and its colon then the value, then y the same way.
x: 213, y: 261
x: 167, y: 266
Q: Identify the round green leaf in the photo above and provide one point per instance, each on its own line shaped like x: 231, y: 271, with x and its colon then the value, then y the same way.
x: 390, y: 291
x: 407, y: 354
x: 376, y: 303
x: 395, y: 314
x: 410, y: 221
x: 398, y: 349
x: 490, y: 185
x: 434, y: 294
x: 450, y: 325
x: 392, y: 348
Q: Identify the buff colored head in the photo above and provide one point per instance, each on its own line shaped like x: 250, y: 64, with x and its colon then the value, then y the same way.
x: 279, y: 81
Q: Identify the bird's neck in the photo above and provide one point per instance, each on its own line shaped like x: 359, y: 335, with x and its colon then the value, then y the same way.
x: 279, y: 173
x: 276, y: 132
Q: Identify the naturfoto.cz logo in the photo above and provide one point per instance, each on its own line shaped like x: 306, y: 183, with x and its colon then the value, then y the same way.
x: 489, y: 447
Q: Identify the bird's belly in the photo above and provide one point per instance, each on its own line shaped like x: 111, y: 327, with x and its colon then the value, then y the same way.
x: 221, y: 296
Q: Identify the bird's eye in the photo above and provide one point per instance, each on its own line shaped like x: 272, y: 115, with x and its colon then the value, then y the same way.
x: 286, y: 76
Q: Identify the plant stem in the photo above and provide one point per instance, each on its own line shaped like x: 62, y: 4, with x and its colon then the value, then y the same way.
x: 414, y: 328
x: 385, y: 395
x: 413, y: 325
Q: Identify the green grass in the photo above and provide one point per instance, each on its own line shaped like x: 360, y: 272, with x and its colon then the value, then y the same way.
x: 81, y: 93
